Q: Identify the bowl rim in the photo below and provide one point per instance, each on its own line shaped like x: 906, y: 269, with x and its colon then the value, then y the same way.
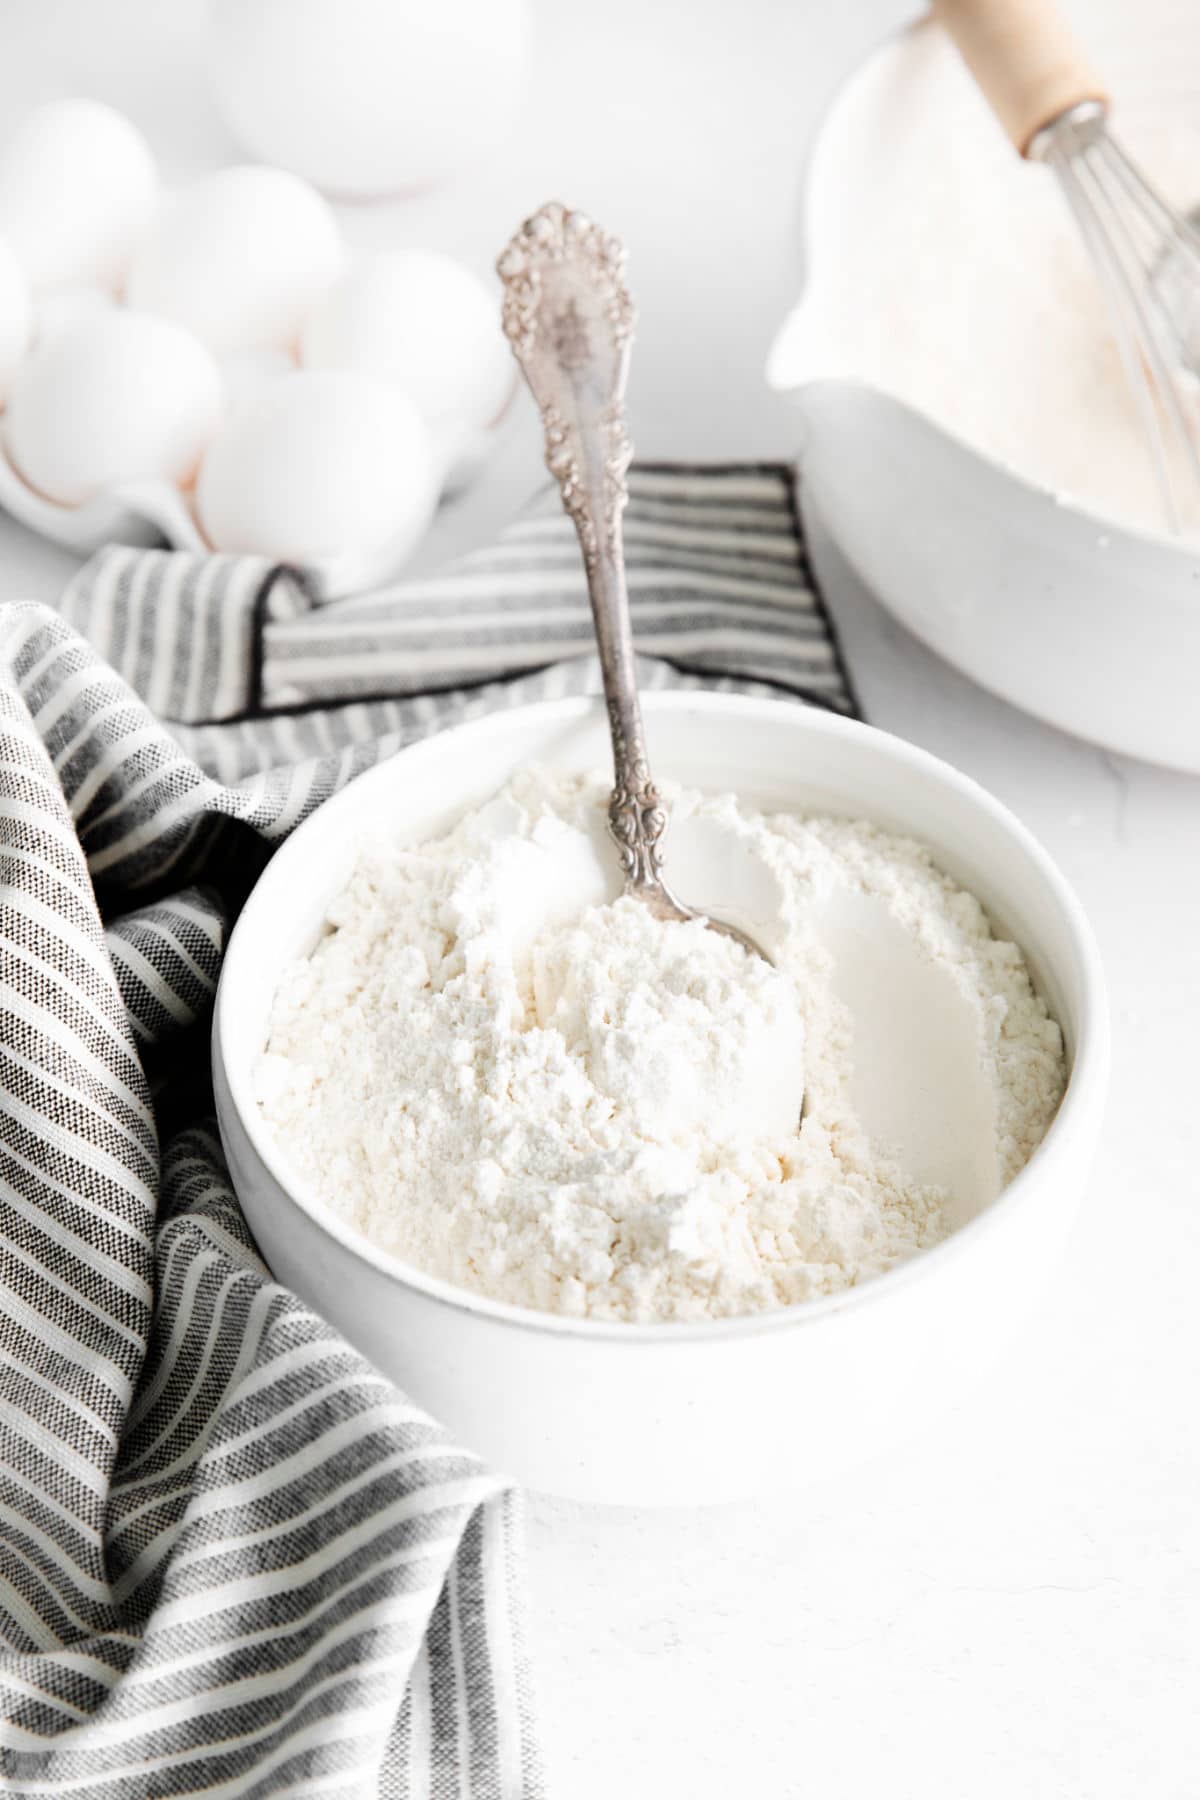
x: 1082, y: 1100
x: 1057, y: 504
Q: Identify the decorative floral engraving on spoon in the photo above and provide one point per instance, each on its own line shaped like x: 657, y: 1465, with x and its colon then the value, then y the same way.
x: 569, y: 318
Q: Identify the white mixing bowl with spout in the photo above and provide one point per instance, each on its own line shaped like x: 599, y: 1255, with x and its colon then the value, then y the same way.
x: 675, y: 1413
x: 1087, y: 622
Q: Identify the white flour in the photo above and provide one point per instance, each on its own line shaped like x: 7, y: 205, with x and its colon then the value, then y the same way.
x: 497, y: 1073
x: 949, y: 273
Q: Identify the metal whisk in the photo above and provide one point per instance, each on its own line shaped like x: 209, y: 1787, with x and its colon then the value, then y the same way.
x: 1145, y: 255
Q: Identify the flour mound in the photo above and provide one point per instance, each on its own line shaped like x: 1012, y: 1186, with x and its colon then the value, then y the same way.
x: 690, y: 1037
x: 501, y: 1071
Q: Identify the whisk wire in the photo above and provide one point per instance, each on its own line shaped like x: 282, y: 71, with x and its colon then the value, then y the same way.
x: 1119, y: 300
x: 1096, y: 178
x: 1162, y: 343
x: 1170, y: 226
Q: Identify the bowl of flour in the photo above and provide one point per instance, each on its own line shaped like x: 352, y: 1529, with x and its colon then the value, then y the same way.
x: 607, y: 1195
x: 968, y: 437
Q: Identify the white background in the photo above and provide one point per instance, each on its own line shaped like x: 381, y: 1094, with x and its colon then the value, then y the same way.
x: 1010, y: 1607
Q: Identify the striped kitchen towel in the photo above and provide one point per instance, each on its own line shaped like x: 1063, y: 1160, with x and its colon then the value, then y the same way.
x: 233, y: 1559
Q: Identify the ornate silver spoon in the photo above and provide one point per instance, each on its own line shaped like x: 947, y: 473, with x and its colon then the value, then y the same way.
x: 569, y: 319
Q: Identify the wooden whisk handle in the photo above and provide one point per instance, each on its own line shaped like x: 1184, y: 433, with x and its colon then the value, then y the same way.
x: 1025, y: 60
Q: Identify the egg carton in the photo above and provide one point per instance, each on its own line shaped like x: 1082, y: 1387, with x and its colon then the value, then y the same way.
x: 151, y: 511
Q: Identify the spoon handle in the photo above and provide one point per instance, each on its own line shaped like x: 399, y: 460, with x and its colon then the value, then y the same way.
x: 569, y: 319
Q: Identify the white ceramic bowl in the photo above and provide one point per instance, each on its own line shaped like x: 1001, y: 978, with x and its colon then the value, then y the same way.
x: 676, y: 1413
x: 1090, y: 625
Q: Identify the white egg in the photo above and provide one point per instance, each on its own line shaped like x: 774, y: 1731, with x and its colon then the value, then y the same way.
x: 241, y: 258
x: 370, y: 96
x: 324, y: 464
x: 426, y: 322
x: 77, y: 190
x: 115, y: 398
x: 16, y: 317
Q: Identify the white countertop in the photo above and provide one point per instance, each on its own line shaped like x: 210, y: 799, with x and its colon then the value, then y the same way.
x: 1012, y: 1606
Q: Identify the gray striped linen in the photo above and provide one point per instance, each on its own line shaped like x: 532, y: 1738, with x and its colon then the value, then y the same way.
x: 233, y: 1559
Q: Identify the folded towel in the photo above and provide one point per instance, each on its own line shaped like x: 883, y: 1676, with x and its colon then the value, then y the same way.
x: 233, y: 1559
